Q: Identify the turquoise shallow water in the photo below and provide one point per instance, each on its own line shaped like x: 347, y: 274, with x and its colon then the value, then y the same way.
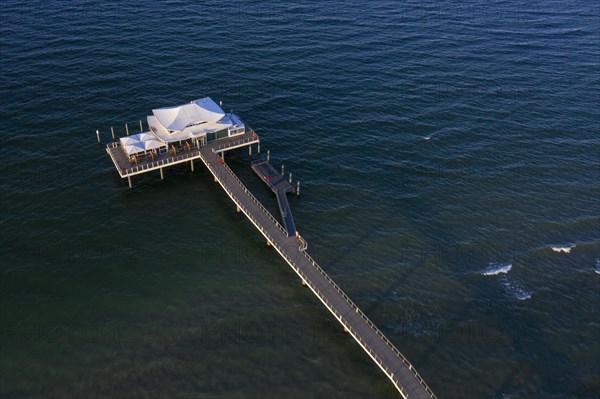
x: 443, y: 150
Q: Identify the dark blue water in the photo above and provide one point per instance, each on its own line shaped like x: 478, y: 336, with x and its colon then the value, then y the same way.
x: 443, y: 149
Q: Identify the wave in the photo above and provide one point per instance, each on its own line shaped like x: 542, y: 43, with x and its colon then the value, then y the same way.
x: 512, y: 287
x: 597, y: 266
x: 563, y: 249
x: 515, y: 289
x: 496, y: 268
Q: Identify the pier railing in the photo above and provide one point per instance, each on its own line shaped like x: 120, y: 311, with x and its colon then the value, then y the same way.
x: 124, y: 171
x: 342, y: 320
x: 372, y: 326
x: 225, y: 146
x: 161, y: 162
x: 315, y: 289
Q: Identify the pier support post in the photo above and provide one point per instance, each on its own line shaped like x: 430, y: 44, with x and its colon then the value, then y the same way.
x: 129, y: 181
x: 127, y: 129
x: 290, y: 177
x: 250, y: 150
x: 112, y: 131
x: 282, y: 169
x: 141, y: 126
x: 162, y: 176
x: 192, y: 165
x: 98, y: 136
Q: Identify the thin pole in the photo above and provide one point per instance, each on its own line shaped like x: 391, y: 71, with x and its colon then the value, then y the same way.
x: 268, y: 155
x: 162, y: 177
x: 290, y: 177
x: 129, y: 180
x: 298, y: 188
x: 192, y: 164
x: 112, y: 131
x: 98, y: 136
x: 282, y: 170
x: 141, y: 126
x: 127, y: 129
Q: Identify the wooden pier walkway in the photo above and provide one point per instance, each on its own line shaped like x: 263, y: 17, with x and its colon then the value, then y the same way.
x: 397, y: 368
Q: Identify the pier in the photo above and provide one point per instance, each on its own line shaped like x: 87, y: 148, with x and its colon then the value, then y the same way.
x: 293, y: 250
x: 283, y: 237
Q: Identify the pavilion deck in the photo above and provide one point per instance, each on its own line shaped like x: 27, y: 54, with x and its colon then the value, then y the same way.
x: 127, y: 169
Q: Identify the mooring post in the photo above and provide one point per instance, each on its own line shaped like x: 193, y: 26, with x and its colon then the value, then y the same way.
x: 290, y: 177
x: 112, y: 131
x: 127, y: 129
x: 129, y: 180
x: 304, y: 283
x: 98, y: 136
x: 298, y: 187
x: 162, y: 177
x: 282, y: 169
x: 141, y: 126
x: 238, y: 209
x: 268, y: 155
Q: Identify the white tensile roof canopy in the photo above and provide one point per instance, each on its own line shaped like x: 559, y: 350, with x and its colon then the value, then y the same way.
x: 188, y: 121
x: 178, y: 118
x: 140, y: 142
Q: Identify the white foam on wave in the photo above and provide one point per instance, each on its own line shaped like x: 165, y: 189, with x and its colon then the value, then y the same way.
x: 597, y: 266
x: 563, y: 249
x: 427, y: 137
x: 496, y: 268
x: 515, y: 289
